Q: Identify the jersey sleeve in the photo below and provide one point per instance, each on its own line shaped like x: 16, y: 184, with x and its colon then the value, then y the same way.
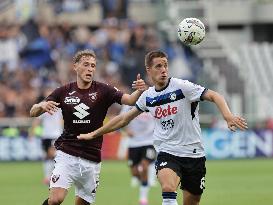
x: 193, y: 92
x: 114, y: 95
x: 141, y: 102
x: 55, y: 95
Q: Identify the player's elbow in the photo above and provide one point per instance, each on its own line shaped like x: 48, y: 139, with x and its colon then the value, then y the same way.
x: 212, y: 96
x: 128, y: 100
x: 31, y: 113
x: 216, y: 97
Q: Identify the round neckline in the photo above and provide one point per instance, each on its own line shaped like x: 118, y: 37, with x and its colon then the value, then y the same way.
x: 80, y: 89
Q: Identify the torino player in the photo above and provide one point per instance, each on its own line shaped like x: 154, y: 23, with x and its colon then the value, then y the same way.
x: 84, y: 105
x: 141, y: 153
x: 177, y: 136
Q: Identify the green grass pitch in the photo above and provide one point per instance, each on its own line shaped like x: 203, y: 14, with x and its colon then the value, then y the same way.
x: 229, y: 182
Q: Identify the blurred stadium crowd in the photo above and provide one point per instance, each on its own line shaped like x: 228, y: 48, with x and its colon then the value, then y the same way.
x: 36, y: 55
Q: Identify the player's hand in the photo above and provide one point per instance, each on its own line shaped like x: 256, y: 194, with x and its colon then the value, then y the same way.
x: 139, y: 84
x: 235, y: 122
x: 49, y: 106
x: 87, y: 136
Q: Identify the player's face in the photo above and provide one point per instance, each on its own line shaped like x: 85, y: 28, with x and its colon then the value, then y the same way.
x: 85, y: 69
x: 158, y: 72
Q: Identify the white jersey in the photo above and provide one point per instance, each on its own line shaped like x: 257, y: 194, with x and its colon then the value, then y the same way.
x: 142, y: 128
x: 52, y: 125
x: 175, y: 110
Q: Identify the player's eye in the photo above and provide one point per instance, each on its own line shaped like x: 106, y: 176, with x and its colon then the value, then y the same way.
x: 158, y: 66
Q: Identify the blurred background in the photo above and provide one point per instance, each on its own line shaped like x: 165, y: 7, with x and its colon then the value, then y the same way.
x: 38, y: 39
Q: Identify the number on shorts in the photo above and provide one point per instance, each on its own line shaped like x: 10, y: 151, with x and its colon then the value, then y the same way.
x: 202, y: 183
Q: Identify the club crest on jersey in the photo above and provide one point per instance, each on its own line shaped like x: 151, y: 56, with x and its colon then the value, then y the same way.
x: 93, y: 96
x: 72, y: 100
x: 173, y: 96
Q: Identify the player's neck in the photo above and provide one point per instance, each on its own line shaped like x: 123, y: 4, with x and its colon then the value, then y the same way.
x: 161, y: 86
x: 83, y: 85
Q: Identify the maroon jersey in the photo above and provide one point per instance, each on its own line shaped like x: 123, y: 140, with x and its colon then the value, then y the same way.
x: 83, y: 111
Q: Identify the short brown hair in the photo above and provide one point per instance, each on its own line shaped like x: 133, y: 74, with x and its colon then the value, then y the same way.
x: 82, y: 53
x: 154, y: 54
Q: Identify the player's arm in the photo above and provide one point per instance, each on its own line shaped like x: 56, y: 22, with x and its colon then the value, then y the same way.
x: 140, y: 86
x: 233, y: 122
x: 117, y: 122
x: 42, y: 107
x: 130, y: 99
x: 128, y: 132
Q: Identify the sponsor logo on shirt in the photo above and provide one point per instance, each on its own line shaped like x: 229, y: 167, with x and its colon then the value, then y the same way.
x: 167, y: 124
x: 81, y: 121
x: 81, y: 111
x: 71, y: 100
x: 161, y: 112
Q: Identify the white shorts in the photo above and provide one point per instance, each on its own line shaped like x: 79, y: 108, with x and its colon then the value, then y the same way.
x: 84, y: 174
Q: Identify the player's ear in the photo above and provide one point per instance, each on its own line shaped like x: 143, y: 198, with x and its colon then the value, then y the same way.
x: 148, y: 70
x: 75, y: 66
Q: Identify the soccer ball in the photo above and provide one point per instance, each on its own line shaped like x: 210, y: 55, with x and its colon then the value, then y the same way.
x: 191, y: 31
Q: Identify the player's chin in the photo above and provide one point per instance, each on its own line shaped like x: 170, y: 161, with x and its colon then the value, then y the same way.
x: 163, y: 79
x: 87, y: 79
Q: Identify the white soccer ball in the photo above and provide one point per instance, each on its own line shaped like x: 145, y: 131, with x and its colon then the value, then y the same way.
x: 191, y: 31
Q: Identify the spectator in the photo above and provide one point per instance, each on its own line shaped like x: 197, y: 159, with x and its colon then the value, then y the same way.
x: 114, y: 8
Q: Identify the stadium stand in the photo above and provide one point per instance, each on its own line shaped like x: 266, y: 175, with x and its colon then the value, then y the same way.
x: 257, y: 67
